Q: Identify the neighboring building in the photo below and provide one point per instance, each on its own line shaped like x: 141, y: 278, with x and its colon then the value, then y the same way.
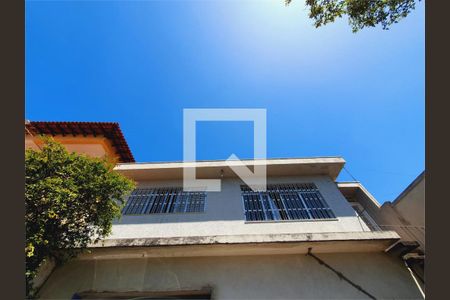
x: 97, y: 139
x: 302, y: 238
x: 406, y: 216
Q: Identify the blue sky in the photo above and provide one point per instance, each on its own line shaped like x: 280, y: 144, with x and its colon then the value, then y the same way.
x: 327, y: 91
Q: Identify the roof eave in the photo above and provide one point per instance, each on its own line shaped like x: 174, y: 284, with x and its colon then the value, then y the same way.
x: 330, y: 166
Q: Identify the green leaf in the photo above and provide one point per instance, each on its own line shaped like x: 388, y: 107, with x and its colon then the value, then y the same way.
x: 70, y: 201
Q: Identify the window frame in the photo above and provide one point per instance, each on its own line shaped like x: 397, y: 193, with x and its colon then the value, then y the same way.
x: 168, y: 193
x: 314, y: 189
x: 204, y: 293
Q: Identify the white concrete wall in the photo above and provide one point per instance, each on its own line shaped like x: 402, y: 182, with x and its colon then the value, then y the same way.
x: 224, y: 215
x: 240, y: 277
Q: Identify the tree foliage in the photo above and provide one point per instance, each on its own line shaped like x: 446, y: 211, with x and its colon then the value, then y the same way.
x: 71, y: 201
x: 361, y: 13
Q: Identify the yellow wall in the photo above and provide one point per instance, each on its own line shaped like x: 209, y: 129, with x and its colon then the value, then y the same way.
x: 98, y: 146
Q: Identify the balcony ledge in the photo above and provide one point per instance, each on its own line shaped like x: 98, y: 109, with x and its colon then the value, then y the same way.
x: 227, y: 245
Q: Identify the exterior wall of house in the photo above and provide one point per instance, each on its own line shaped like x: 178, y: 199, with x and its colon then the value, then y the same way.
x: 224, y: 215
x: 412, y: 205
x: 93, y: 146
x: 30, y: 143
x: 247, y: 274
x: 408, y: 209
x: 240, y: 277
x: 406, y: 215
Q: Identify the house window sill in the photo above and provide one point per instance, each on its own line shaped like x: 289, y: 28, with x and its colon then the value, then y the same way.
x: 291, y: 221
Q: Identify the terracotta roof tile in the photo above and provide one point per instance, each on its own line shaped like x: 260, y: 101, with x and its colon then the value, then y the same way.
x: 110, y: 130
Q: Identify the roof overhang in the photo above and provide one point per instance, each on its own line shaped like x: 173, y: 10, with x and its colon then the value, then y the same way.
x: 349, y: 188
x: 228, y: 245
x: 330, y: 166
x: 110, y: 130
x: 354, y: 189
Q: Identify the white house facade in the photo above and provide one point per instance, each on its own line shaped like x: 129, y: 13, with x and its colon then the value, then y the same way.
x: 301, y: 238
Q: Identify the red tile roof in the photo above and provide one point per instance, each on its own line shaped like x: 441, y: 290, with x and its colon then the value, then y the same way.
x: 110, y: 130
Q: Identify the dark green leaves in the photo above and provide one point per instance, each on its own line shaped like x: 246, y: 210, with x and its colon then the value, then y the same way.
x: 361, y: 13
x: 71, y: 200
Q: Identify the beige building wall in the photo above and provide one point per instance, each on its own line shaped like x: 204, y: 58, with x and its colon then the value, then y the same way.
x: 406, y: 214
x: 240, y: 277
x: 411, y: 206
x: 224, y: 214
x: 244, y: 275
x: 408, y: 209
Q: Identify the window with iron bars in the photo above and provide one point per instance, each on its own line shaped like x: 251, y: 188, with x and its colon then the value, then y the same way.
x: 164, y: 200
x: 284, y: 202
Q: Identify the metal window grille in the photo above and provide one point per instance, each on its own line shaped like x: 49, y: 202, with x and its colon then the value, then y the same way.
x: 300, y: 201
x: 164, y: 200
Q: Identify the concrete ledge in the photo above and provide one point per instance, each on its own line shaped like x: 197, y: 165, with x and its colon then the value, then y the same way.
x: 330, y: 166
x: 269, y: 244
x: 250, y: 238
